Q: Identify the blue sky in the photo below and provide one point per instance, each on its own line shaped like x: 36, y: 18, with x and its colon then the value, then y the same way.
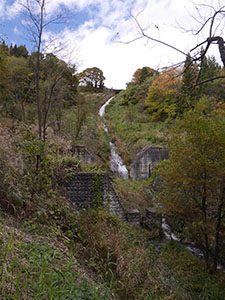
x: 93, y: 28
x: 14, y: 31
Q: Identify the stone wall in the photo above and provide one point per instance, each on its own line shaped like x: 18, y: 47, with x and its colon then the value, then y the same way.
x: 111, y: 200
x: 80, y: 190
x: 133, y: 216
x: 146, y: 160
x: 88, y: 190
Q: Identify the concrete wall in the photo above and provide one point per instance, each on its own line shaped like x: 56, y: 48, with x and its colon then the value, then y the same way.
x: 88, y: 190
x: 146, y: 160
x: 80, y: 190
x: 111, y: 200
x: 133, y: 216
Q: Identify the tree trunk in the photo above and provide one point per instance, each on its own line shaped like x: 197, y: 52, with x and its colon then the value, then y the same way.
x: 205, y: 219
x: 217, y: 233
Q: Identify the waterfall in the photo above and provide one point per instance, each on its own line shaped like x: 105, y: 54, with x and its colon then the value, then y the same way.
x: 116, y: 163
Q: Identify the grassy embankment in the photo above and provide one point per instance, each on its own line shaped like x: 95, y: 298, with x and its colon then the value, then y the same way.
x: 82, y: 125
x: 130, y: 128
x: 62, y: 255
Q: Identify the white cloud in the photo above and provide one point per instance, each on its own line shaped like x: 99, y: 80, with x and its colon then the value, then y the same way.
x: 16, y: 30
x: 118, y: 60
x: 13, y: 10
x: 2, y: 7
x: 93, y: 43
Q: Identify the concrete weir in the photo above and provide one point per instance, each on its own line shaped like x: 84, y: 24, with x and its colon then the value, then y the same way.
x: 146, y: 160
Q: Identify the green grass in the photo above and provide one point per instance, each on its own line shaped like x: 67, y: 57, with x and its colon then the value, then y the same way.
x: 134, y: 194
x: 123, y: 256
x: 130, y: 127
x: 94, y: 255
x: 190, y: 273
x: 37, y: 266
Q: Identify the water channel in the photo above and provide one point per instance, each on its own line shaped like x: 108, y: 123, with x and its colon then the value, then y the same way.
x: 118, y: 167
x: 116, y: 163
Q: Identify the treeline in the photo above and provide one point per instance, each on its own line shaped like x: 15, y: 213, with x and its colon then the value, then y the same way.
x: 43, y: 114
x: 57, y: 86
x: 174, y: 91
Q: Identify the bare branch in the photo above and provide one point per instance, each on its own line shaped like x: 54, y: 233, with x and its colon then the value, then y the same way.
x: 144, y: 35
x: 209, y: 80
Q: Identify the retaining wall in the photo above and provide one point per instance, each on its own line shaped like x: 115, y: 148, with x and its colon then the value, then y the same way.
x: 88, y: 190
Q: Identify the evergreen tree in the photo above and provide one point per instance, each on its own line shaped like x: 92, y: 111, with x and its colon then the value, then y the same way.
x: 188, y: 95
x: 20, y: 51
x: 189, y: 77
x: 209, y: 69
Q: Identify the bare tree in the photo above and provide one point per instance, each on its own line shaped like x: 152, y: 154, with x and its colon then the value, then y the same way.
x: 208, y: 26
x: 38, y: 22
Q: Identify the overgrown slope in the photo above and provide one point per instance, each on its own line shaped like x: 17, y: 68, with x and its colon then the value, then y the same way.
x: 130, y: 127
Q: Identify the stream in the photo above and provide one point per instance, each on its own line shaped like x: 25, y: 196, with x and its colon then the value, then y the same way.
x: 172, y: 237
x: 194, y: 250
x: 118, y: 167
x: 116, y: 163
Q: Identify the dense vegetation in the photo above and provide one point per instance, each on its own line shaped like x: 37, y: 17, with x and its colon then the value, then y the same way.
x: 170, y: 109
x: 51, y: 251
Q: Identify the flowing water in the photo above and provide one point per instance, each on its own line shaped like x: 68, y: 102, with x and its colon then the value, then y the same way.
x: 172, y: 237
x: 116, y: 162
x: 119, y: 168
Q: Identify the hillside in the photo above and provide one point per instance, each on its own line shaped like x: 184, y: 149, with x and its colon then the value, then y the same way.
x: 52, y: 131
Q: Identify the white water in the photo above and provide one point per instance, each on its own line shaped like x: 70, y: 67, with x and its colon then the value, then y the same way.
x: 168, y: 232
x: 103, y: 107
x: 116, y: 162
x: 172, y: 237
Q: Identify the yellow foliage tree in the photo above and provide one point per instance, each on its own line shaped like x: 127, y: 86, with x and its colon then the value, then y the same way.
x: 161, y: 102
x: 141, y: 74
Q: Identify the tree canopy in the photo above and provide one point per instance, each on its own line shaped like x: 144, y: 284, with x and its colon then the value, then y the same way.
x: 92, y: 77
x: 141, y: 74
x: 193, y: 186
x: 162, y: 95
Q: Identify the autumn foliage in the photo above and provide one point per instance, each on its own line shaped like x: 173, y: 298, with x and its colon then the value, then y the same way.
x: 162, y: 95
